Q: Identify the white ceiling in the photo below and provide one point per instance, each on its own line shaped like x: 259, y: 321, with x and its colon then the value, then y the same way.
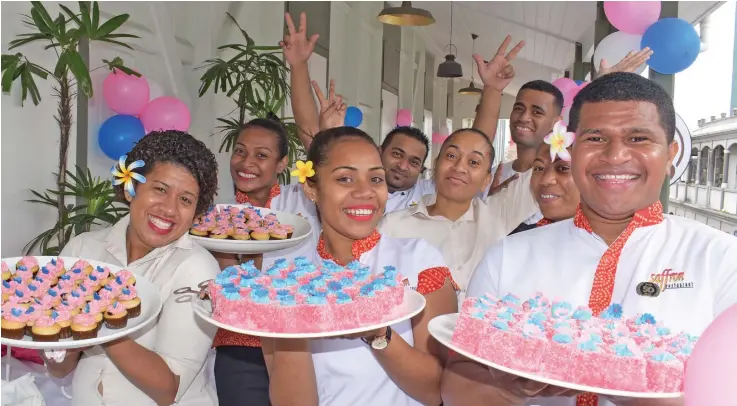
x: 550, y: 30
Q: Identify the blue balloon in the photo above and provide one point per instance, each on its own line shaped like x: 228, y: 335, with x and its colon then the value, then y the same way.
x: 118, y: 134
x: 675, y: 45
x: 353, y: 117
x: 579, y: 82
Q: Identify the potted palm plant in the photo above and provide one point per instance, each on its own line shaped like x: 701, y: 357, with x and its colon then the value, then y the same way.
x: 62, y: 36
x: 255, y: 78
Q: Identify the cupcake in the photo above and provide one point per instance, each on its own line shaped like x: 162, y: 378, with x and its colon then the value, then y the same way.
x: 30, y: 315
x: 260, y: 234
x: 47, y: 275
x: 201, y: 230
x: 6, y: 271
x: 278, y: 233
x: 84, y: 326
x: 241, y: 233
x: 84, y: 266
x: 45, y: 329
x: 127, y: 277
x: 69, y: 307
x: 102, y: 274
x: 288, y: 228
x: 12, y: 325
x: 221, y: 232
x: 116, y: 316
x: 57, y: 266
x: 29, y: 263
x: 130, y: 300
x: 64, y: 321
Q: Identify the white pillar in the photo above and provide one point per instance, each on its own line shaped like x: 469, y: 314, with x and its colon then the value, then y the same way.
x: 725, y: 169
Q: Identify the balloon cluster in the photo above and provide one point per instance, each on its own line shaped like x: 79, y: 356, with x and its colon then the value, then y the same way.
x: 128, y: 96
x: 674, y: 41
x: 570, y: 89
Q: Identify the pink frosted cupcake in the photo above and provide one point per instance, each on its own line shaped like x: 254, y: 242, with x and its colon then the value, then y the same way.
x: 127, y: 277
x: 92, y: 283
x: 45, y: 329
x: 29, y: 263
x: 64, y: 321
x: 110, y: 292
x: 84, y: 266
x: 102, y: 274
x: 6, y: 271
x: 129, y: 299
x: 84, y: 326
x: 278, y: 233
x: 66, y: 306
x: 116, y: 317
x: 13, y: 327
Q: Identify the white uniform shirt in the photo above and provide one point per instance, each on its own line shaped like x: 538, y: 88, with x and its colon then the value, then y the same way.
x: 346, y: 371
x: 463, y: 242
x: 507, y: 172
x: 179, y: 336
x: 411, y: 197
x: 560, y: 260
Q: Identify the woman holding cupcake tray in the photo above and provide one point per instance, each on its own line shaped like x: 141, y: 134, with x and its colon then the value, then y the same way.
x: 173, y: 179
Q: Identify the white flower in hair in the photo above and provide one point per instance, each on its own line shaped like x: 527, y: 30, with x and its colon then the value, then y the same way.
x: 559, y: 140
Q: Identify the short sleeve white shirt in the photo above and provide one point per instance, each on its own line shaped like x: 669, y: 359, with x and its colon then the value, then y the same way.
x: 180, y: 338
x: 693, y: 263
x: 463, y: 242
x: 346, y: 371
x: 403, y: 199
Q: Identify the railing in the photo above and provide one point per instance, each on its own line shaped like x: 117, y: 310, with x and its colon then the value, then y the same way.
x: 711, y: 197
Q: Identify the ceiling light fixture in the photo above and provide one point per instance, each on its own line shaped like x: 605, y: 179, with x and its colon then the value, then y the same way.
x: 450, y: 68
x: 471, y: 89
x: 405, y: 15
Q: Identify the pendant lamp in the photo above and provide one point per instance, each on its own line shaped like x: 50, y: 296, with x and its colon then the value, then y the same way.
x: 450, y: 68
x: 471, y: 89
x: 405, y: 15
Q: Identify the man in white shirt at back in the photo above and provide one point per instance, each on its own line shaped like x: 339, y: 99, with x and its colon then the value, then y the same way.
x: 618, y: 239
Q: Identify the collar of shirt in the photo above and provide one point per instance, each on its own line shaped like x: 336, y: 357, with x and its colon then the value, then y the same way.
x: 648, y: 216
x: 116, y: 243
x: 359, y: 247
x: 242, y: 198
x: 428, y: 200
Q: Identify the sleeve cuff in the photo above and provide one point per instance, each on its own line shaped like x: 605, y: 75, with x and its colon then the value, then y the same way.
x: 432, y: 279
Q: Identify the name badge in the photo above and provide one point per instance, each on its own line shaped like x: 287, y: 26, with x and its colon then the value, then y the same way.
x: 648, y: 289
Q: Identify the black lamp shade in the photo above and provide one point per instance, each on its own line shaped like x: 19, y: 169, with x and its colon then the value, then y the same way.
x: 405, y: 15
x: 470, y: 90
x: 450, y: 68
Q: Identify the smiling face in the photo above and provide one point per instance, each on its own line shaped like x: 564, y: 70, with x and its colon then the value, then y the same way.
x: 403, y: 159
x: 553, y: 187
x: 255, y: 162
x: 620, y: 157
x: 350, y: 191
x: 164, y: 207
x: 462, y: 167
x: 532, y: 118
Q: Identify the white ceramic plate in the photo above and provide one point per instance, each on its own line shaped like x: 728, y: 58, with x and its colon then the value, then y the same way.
x: 412, y: 304
x: 150, y: 308
x: 442, y: 327
x: 302, y: 230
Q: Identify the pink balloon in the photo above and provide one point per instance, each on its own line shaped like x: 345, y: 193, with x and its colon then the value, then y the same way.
x: 712, y: 366
x: 125, y: 94
x: 571, y: 94
x: 568, y: 87
x: 632, y: 17
x: 166, y: 113
x: 566, y: 114
x: 404, y: 118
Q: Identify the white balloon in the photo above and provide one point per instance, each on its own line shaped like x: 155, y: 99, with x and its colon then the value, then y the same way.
x: 616, y: 46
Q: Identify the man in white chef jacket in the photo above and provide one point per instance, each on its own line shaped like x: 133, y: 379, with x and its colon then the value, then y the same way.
x: 619, y: 239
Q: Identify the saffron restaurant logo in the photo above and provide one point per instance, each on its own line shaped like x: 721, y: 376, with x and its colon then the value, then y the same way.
x: 671, y: 280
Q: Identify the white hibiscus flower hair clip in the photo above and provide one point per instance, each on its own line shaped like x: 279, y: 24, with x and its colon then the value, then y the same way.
x: 559, y: 140
x: 124, y: 175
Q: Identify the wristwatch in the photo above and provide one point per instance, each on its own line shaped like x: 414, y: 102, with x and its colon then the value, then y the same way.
x: 379, y: 342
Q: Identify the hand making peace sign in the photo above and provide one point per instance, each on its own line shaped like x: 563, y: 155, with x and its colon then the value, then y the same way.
x: 297, y: 48
x: 498, y: 72
x: 332, y: 110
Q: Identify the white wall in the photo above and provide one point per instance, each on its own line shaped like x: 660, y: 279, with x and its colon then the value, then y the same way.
x: 30, y: 142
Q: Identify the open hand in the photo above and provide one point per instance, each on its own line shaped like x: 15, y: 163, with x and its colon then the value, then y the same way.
x: 332, y: 109
x: 524, y: 388
x: 629, y: 63
x: 498, y: 72
x: 297, y: 48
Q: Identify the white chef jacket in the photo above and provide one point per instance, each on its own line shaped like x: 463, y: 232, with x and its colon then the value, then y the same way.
x: 346, y: 371
x: 411, y: 197
x: 179, y: 336
x: 560, y: 260
x: 463, y: 242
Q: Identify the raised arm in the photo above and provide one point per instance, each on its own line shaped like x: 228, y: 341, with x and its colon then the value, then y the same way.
x: 297, y: 51
x: 629, y: 63
x: 496, y: 75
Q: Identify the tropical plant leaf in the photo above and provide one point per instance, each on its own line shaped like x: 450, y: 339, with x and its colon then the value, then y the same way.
x: 80, y: 71
x: 109, y: 26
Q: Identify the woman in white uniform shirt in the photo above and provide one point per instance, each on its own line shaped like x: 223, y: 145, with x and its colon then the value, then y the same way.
x: 162, y: 364
x: 349, y: 189
x: 259, y: 156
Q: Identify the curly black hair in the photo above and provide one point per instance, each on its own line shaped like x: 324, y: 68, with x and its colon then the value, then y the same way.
x: 181, y: 149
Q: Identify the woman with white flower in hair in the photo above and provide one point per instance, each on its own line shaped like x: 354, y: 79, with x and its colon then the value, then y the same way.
x: 167, y: 179
x: 551, y: 182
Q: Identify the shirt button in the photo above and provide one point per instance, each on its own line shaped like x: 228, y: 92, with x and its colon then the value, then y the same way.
x: 458, y: 268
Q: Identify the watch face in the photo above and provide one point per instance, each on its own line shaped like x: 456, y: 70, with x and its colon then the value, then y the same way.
x: 379, y: 343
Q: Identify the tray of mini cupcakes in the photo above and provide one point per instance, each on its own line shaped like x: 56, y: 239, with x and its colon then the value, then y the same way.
x: 245, y: 229
x: 56, y: 303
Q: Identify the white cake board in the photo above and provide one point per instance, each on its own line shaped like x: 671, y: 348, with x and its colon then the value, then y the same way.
x: 302, y: 230
x: 412, y: 305
x: 150, y: 308
x: 442, y: 327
